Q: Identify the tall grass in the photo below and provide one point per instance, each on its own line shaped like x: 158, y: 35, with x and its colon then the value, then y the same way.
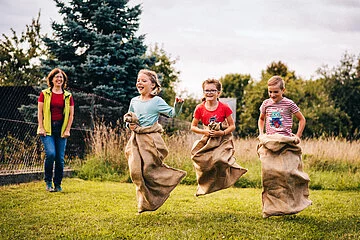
x: 332, y: 154
x: 332, y: 163
x: 106, y: 159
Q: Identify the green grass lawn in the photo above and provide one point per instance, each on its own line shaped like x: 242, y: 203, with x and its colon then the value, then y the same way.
x: 107, y: 210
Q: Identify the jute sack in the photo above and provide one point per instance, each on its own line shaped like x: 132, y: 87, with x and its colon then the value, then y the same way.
x: 214, y: 163
x: 154, y: 180
x: 285, y: 185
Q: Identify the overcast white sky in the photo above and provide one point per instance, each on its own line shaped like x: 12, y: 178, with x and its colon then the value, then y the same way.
x: 212, y: 38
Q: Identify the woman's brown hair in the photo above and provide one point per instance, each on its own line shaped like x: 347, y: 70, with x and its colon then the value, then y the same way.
x: 52, y: 74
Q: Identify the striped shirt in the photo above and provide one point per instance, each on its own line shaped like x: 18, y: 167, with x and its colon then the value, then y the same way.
x: 278, y: 116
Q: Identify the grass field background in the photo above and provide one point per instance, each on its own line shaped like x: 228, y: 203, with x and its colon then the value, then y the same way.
x: 100, y: 202
x: 332, y: 164
x: 107, y: 210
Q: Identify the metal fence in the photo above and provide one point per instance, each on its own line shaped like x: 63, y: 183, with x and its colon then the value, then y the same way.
x: 21, y: 150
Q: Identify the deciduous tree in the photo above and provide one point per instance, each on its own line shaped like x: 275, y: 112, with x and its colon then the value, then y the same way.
x: 234, y: 87
x: 343, y: 88
x: 164, y: 66
x: 19, y: 56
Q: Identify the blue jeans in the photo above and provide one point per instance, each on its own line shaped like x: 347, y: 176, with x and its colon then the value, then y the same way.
x: 54, y: 146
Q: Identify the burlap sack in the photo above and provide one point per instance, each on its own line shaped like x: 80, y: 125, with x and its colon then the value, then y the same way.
x: 285, y: 185
x: 215, y: 164
x: 154, y: 180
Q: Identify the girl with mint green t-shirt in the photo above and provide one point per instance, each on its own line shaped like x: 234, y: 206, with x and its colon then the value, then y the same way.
x: 146, y: 150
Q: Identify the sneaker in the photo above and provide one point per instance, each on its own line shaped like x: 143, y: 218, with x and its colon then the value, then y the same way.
x: 57, y: 189
x: 49, y: 187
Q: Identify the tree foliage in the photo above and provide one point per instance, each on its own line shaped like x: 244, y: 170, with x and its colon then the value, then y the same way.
x: 343, y: 88
x: 96, y: 46
x: 323, y: 118
x: 168, y: 75
x: 19, y: 56
x: 234, y: 87
x: 189, y: 108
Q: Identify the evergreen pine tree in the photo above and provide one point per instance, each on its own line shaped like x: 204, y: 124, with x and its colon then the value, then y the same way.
x: 96, y: 46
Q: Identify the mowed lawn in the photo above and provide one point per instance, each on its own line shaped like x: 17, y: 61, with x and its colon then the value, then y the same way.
x: 107, y: 210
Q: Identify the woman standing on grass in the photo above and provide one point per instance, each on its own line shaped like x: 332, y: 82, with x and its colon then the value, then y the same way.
x: 146, y: 149
x: 55, y: 117
x: 213, y: 154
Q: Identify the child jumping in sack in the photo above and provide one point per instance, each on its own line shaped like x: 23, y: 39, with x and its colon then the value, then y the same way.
x: 213, y: 155
x: 285, y: 185
x: 146, y: 149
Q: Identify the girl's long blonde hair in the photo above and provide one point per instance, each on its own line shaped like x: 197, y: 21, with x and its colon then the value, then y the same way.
x: 154, y: 79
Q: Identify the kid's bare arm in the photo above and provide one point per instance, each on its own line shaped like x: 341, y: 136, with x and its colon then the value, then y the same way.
x: 261, y: 123
x: 302, y: 123
x: 196, y: 129
x: 231, y: 126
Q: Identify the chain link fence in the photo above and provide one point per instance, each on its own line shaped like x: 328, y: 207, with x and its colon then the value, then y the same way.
x: 21, y: 150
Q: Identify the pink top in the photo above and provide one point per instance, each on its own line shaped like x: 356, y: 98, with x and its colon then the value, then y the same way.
x: 278, y: 116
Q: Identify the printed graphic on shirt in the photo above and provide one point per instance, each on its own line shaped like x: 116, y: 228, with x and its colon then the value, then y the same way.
x: 276, y: 120
x: 212, y: 119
